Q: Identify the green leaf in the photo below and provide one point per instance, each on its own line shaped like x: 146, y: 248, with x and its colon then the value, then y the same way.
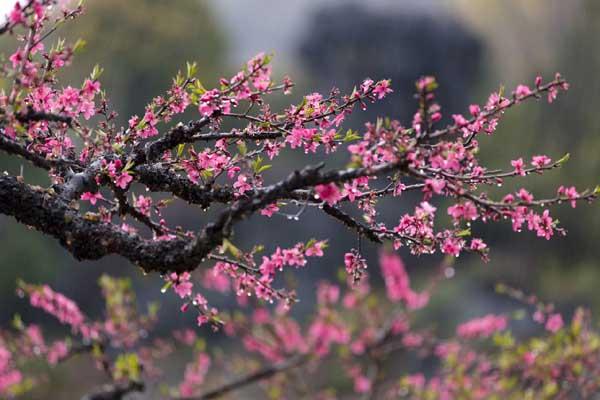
x: 96, y: 72
x: 464, y: 232
x: 153, y: 308
x: 127, y: 366
x: 242, y: 148
x: 504, y: 339
x: 264, y: 168
x: 206, y: 174
x: 198, y: 88
x: 130, y: 164
x: 258, y: 167
x: 192, y: 69
x: 17, y: 322
x: 351, y: 136
x: 564, y: 159
x: 79, y: 45
x: 519, y: 314
x: 166, y: 286
x: 117, y: 148
x: 180, y: 149
x: 200, y: 344
x: 229, y: 247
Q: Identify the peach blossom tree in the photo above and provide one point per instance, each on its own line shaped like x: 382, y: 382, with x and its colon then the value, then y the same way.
x: 93, y: 165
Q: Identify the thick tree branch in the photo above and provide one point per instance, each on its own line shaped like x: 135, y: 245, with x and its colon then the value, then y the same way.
x: 87, y: 238
x: 161, y: 179
x: 84, y: 236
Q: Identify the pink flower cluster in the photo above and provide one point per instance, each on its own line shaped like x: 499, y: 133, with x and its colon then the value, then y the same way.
x: 194, y: 375
x: 397, y: 282
x: 482, y: 327
x: 9, y: 376
x: 59, y: 306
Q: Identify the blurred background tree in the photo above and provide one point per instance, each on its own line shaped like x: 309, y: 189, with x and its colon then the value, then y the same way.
x: 141, y: 44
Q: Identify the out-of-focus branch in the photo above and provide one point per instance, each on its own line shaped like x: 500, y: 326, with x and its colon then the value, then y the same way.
x: 251, y: 378
x: 114, y: 391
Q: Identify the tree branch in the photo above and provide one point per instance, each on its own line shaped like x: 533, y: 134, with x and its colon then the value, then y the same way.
x: 254, y: 377
x: 115, y: 391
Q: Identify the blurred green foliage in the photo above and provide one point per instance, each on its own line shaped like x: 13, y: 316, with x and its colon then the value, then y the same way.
x: 564, y: 268
x: 141, y: 44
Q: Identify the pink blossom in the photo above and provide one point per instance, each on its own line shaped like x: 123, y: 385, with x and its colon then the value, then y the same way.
x: 329, y: 193
x: 466, y: 211
x: 56, y: 304
x: 9, y: 376
x: 459, y: 120
x: 433, y: 186
x: 92, y: 197
x: 452, y: 246
x: 539, y: 316
x: 411, y: 339
x: 90, y: 88
x: 540, y: 161
x: 570, y: 193
x: 482, y: 327
x: 382, y: 88
x: 397, y: 282
x: 16, y: 58
x: 181, y: 284
x: 518, y: 165
x: 216, y: 280
x: 57, y: 352
x: 522, y: 91
x: 325, y: 332
x: 351, y: 190
x: 262, y: 81
x: 544, y: 225
x: 123, y: 180
x: 327, y: 293
x: 355, y: 265
x: 416, y: 380
x: 10, y: 132
x: 143, y: 204
x: 552, y: 94
x: 269, y: 210
x: 316, y: 249
x: 209, y: 103
x: 525, y: 196
x: 362, y: 384
x: 529, y: 358
x: 242, y: 185
x: 477, y: 244
x: 194, y: 375
x: 366, y: 85
x: 554, y: 323
x: 474, y: 110
x: 16, y: 15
